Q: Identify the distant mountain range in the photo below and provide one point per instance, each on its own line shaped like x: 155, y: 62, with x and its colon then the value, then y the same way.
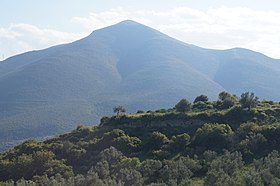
x: 50, y: 91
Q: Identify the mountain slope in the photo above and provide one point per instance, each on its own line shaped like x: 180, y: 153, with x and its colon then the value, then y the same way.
x: 49, y: 91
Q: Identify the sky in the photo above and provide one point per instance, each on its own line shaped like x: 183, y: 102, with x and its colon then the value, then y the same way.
x: 219, y: 24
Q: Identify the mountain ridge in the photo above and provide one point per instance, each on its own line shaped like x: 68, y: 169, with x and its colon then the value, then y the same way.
x: 52, y: 90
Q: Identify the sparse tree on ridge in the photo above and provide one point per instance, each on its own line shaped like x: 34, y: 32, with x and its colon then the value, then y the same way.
x: 119, y: 109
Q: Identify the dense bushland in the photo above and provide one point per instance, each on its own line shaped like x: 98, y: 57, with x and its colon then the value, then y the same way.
x: 231, y: 141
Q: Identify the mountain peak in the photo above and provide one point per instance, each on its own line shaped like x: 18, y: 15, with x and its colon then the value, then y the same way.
x: 121, y: 27
x: 124, y: 30
x: 129, y: 23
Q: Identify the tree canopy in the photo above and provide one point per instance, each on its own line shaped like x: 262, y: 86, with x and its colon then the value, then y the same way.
x: 183, y: 106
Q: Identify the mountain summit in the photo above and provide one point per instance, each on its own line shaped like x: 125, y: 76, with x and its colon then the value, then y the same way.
x: 49, y: 91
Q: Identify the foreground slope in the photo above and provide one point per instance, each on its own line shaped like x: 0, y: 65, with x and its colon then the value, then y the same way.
x: 208, y: 145
x: 49, y: 91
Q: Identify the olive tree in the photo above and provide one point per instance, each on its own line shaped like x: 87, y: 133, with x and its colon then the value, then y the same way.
x: 183, y: 106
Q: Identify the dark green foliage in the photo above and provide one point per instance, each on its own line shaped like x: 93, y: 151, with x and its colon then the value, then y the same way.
x: 224, y: 170
x: 248, y: 100
x: 183, y: 106
x: 200, y: 106
x: 228, y: 103
x: 38, y: 163
x: 104, y: 119
x: 111, y: 155
x: 254, y: 145
x: 213, y: 136
x: 237, y: 115
x: 269, y: 168
x: 175, y: 172
x: 180, y: 142
x: 140, y: 112
x: 156, y: 140
x: 226, y: 100
x: 127, y: 144
x: 29, y: 146
x: 201, y: 98
x: 150, y: 169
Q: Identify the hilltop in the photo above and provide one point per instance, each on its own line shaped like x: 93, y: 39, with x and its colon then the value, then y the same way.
x: 231, y: 141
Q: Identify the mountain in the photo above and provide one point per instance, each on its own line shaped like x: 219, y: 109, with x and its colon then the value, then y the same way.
x: 49, y: 91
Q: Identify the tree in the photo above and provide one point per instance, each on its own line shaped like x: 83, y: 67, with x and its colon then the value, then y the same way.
x: 202, y: 98
x: 177, y: 172
x: 223, y: 95
x: 213, y: 136
x: 226, y: 100
x: 111, y: 155
x: 248, y: 100
x: 180, y: 142
x: 127, y: 144
x: 102, y: 169
x: 149, y: 168
x: 269, y: 168
x: 157, y: 140
x: 183, y: 106
x: 224, y: 170
x: 228, y: 103
x: 127, y: 176
x: 119, y: 109
x: 254, y: 144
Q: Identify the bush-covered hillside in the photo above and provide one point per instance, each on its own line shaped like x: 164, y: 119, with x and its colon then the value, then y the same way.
x: 231, y: 141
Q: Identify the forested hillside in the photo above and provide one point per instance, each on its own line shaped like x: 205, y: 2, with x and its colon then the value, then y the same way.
x: 231, y: 141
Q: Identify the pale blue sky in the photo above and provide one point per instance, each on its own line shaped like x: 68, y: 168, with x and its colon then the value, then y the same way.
x: 36, y: 24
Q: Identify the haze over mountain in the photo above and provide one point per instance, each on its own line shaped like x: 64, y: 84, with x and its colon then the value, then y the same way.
x: 50, y: 91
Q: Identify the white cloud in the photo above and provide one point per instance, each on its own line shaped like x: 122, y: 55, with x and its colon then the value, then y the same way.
x: 18, y: 38
x: 102, y: 19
